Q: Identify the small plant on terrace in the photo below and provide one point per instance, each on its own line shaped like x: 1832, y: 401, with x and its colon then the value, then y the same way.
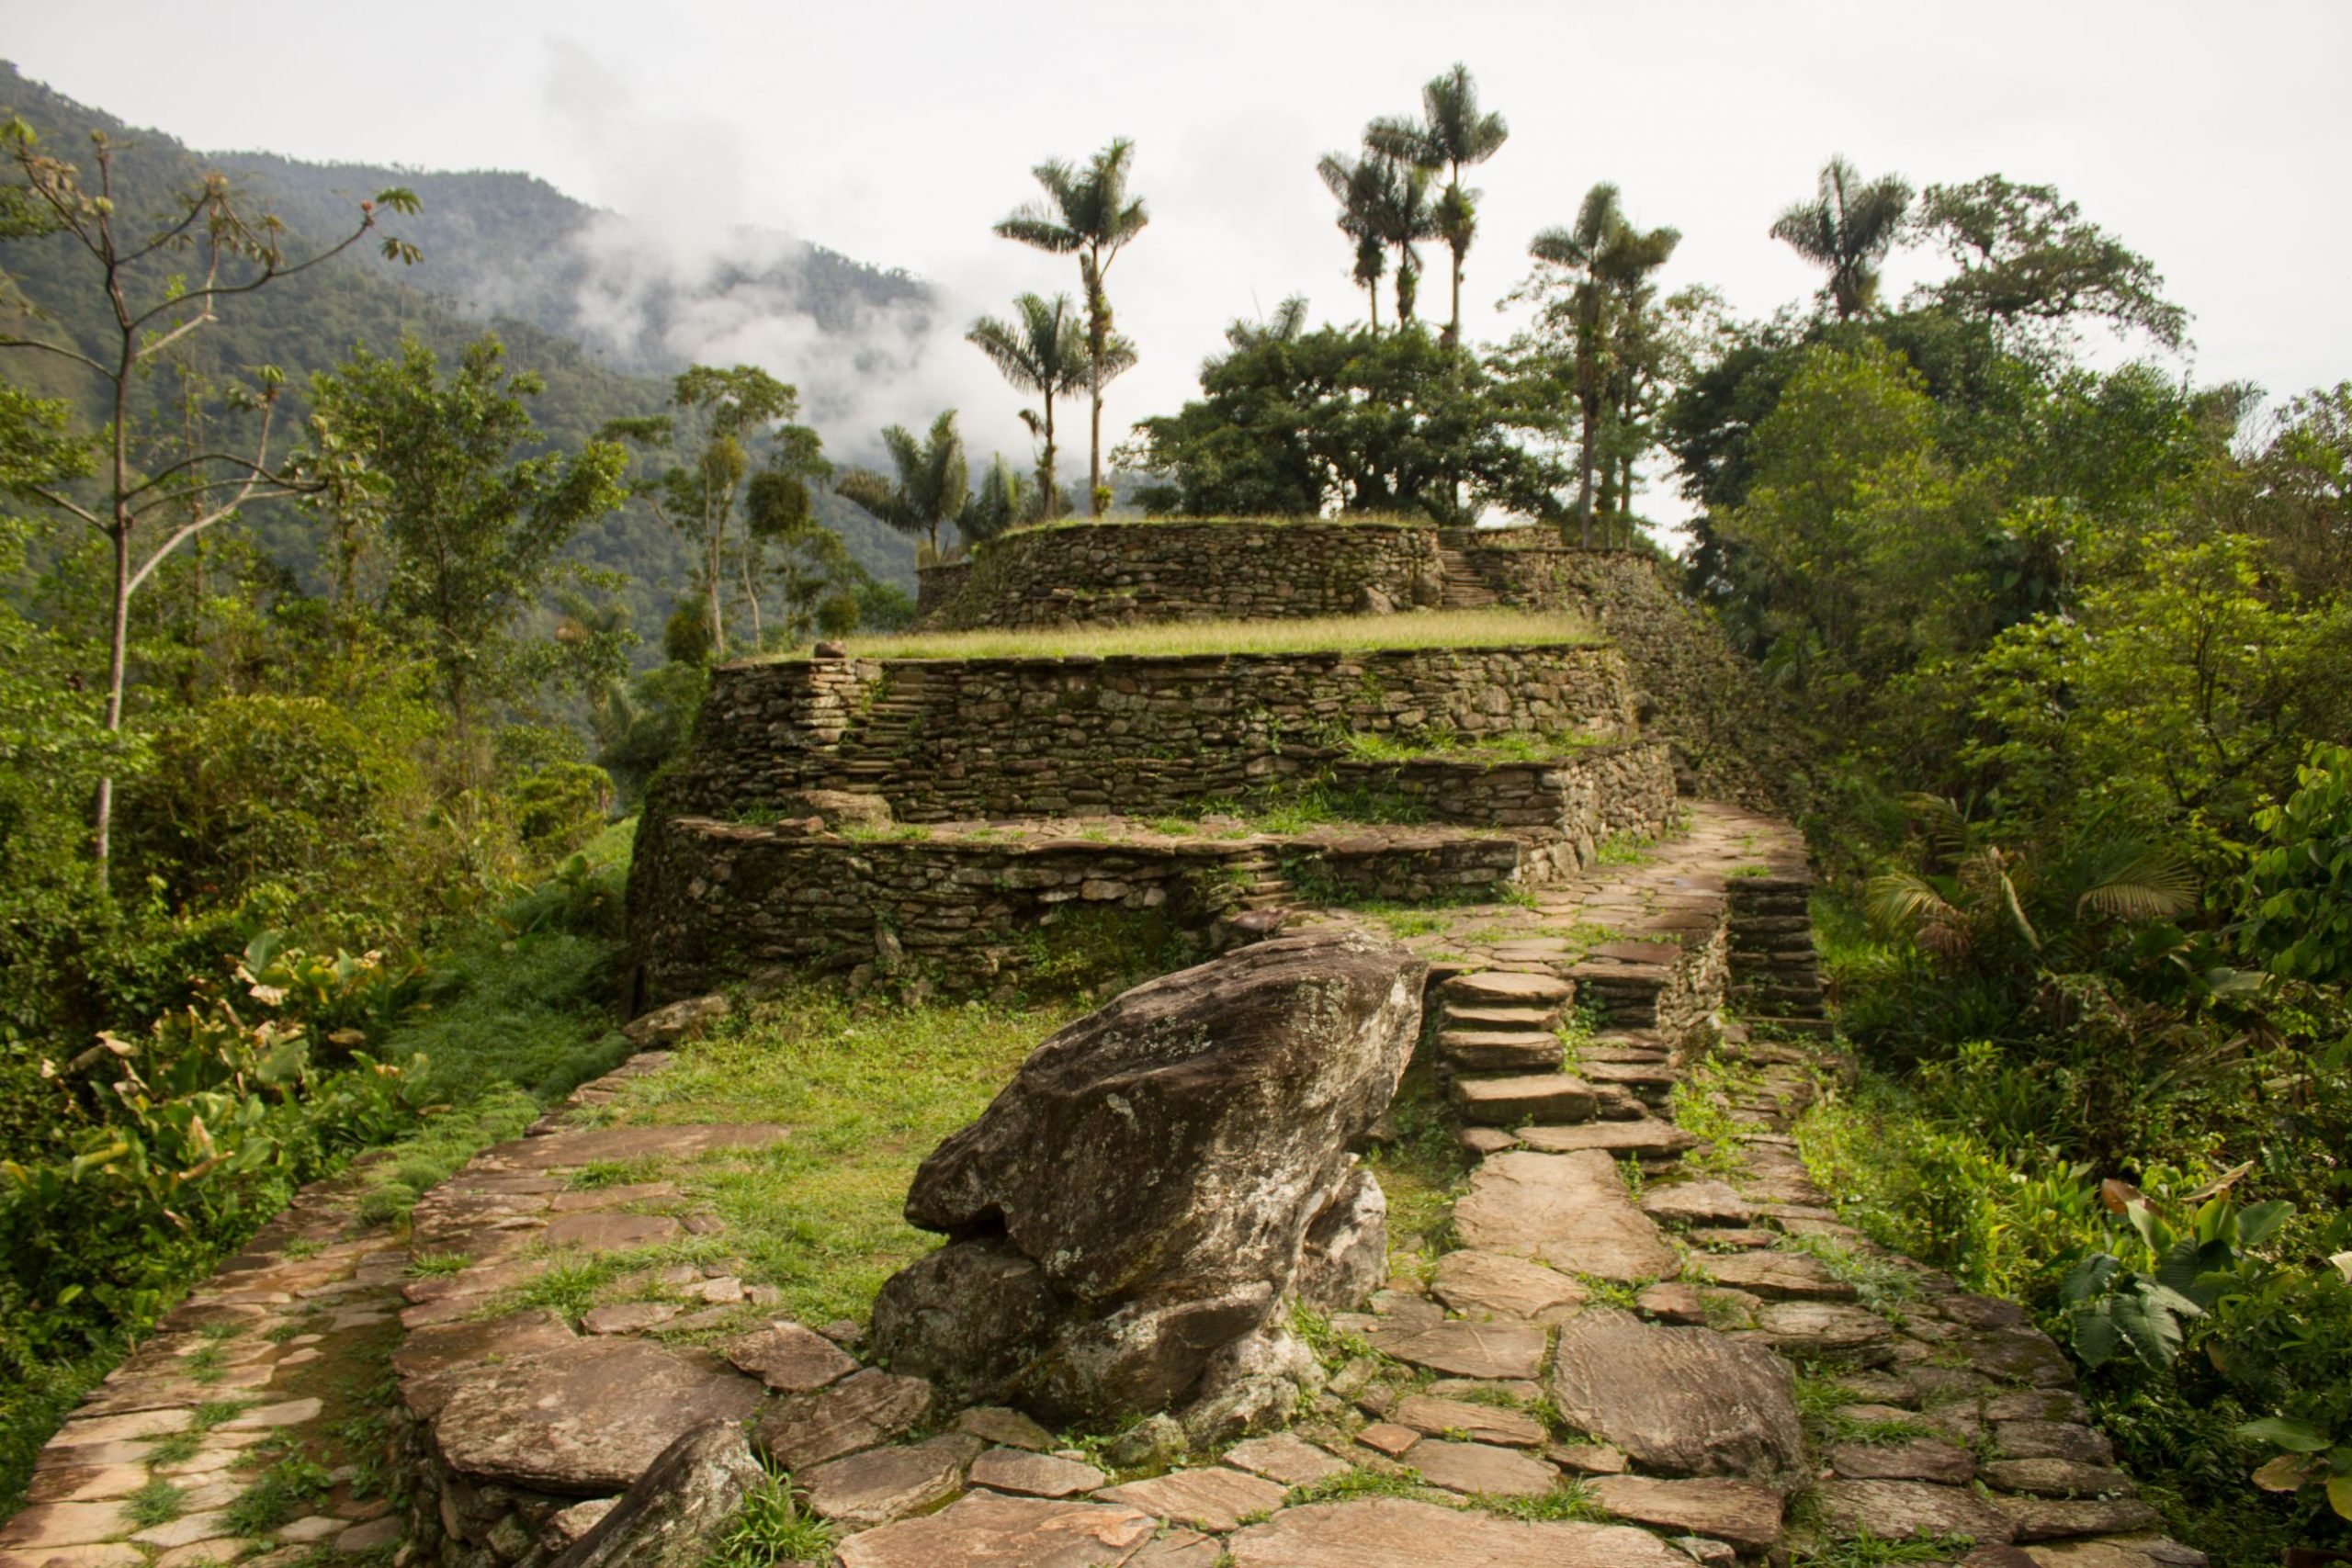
x: 772, y: 1528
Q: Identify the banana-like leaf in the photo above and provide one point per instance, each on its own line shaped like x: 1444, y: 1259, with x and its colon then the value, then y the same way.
x: 2288, y: 1473
x: 2138, y: 885
x: 2285, y: 1432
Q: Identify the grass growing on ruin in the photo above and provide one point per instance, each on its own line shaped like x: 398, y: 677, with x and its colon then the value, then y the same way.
x: 1423, y: 1170
x: 1420, y: 628
x: 867, y: 1094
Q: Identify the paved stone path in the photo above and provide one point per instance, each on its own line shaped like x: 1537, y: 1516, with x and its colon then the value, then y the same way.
x: 268, y: 1363
x: 1645, y: 1346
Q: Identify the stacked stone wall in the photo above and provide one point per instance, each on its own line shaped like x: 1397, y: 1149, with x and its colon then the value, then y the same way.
x: 1175, y: 571
x: 1086, y: 737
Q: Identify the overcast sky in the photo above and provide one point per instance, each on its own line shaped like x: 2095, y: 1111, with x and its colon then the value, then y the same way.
x: 2213, y: 138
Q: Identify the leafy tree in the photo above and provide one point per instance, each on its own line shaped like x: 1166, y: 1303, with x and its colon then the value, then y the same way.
x: 155, y: 298
x: 1043, y: 350
x: 2027, y: 258
x: 472, y: 529
x: 930, y: 480
x: 1087, y: 214
x: 1848, y: 228
x: 1297, y: 424
x: 1002, y: 499
x: 1610, y: 262
x: 1451, y: 134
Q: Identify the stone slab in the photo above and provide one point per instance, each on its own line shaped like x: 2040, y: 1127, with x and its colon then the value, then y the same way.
x: 1569, y: 1211
x: 1505, y: 987
x: 1440, y: 1418
x: 1698, y: 1203
x: 1741, y: 1512
x: 585, y: 1419
x: 2050, y: 1519
x: 861, y: 1411
x: 1004, y: 1532
x: 1644, y: 1137
x: 1216, y: 1498
x: 1684, y: 1400
x: 1780, y: 1276
x: 1397, y: 1532
x: 1029, y: 1474
x: 1468, y: 1349
x: 864, y: 1490
x: 1286, y: 1458
x: 996, y: 1424
x: 1904, y: 1510
x: 1480, y: 1470
x: 1524, y: 1097
x: 1920, y: 1459
x: 790, y: 1358
x: 1478, y: 1283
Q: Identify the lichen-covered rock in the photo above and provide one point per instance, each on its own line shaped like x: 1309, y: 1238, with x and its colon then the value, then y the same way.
x: 1153, y: 1181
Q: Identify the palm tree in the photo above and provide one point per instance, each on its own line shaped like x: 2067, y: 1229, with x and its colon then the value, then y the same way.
x: 1405, y: 219
x: 1848, y: 227
x: 1361, y: 186
x: 1004, y: 498
x: 930, y: 487
x: 1088, y: 214
x: 1451, y: 134
x: 1042, y: 350
x: 1578, y: 249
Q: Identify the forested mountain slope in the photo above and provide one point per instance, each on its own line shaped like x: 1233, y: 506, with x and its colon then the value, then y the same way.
x: 473, y: 227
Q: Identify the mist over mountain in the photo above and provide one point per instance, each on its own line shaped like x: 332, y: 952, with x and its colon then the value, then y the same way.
x: 603, y: 308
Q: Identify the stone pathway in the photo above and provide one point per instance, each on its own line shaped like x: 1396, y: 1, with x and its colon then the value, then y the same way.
x: 239, y: 1429
x: 1644, y: 1350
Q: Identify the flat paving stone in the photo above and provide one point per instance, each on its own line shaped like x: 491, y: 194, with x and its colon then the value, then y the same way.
x: 186, y: 1530
x: 86, y: 1483
x: 1478, y: 1283
x: 1917, y: 1459
x: 108, y: 1554
x: 791, y: 1359
x: 1031, y: 1475
x: 1780, y: 1276
x: 1398, y: 1532
x: 1807, y: 1329
x: 1216, y: 1499
x: 864, y: 1490
x: 2055, y: 1478
x: 123, y: 1428
x: 628, y: 1317
x: 1569, y: 1211
x: 1644, y: 1137
x: 2051, y: 1518
x: 1286, y: 1458
x: 861, y: 1411
x: 586, y: 1418
x: 597, y: 1231
x: 1685, y: 1400
x: 1741, y: 1512
x: 1480, y: 1468
x: 1904, y: 1510
x: 1468, y: 1349
x: 49, y: 1525
x: 373, y: 1535
x: 1440, y: 1418
x: 1500, y: 1050
x: 1524, y: 1097
x: 1387, y: 1438
x: 1505, y: 987
x: 2052, y: 1439
x: 1014, y: 1532
x: 1698, y: 1203
x: 622, y: 1145
x: 1472, y: 1016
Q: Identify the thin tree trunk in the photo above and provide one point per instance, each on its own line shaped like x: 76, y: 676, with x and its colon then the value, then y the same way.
x: 710, y: 583
x: 1371, y: 292
x: 1454, y: 328
x: 752, y: 597
x: 1046, y: 503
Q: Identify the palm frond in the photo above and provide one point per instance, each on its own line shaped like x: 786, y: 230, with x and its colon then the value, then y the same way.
x: 2138, y: 885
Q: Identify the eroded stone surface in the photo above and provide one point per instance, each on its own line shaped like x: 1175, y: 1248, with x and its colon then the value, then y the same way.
x: 1216, y: 1498
x: 1920, y: 1459
x: 1503, y: 1349
x: 586, y: 1417
x: 1741, y: 1512
x: 1017, y: 1532
x: 2050, y: 1519
x: 1459, y: 1417
x: 1683, y: 1400
x: 1286, y: 1458
x: 1569, y: 1211
x: 1033, y: 1474
x: 789, y: 1358
x: 862, y: 1410
x: 1780, y: 1276
x: 1397, y: 1532
x: 1480, y: 1468
x: 863, y: 1490
x: 1698, y: 1203
x: 1902, y: 1510
x: 1478, y: 1283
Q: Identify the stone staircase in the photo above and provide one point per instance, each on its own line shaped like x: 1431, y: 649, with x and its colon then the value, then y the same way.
x: 1775, y: 973
x: 874, y: 753
x: 1463, y: 587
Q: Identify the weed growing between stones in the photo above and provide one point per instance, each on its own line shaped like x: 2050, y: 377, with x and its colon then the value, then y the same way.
x: 157, y: 1503
x: 1701, y: 1105
x: 1860, y: 1549
x: 1822, y: 1400
x: 1423, y: 1170
x: 772, y: 1528
x: 281, y: 1492
x: 1403, y: 1481
x: 174, y: 1448
x: 1609, y: 1293
x: 1571, y: 1499
x: 1879, y: 1284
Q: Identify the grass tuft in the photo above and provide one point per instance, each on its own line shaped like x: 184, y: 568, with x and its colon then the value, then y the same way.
x: 1423, y: 629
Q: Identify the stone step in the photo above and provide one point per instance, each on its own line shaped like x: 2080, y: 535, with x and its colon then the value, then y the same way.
x: 1544, y: 1020
x: 1506, y: 988
x: 1496, y: 1050
x: 1548, y: 1099
x: 1644, y: 1137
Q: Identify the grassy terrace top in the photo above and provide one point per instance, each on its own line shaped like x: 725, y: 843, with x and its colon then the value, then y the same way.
x: 1337, y: 634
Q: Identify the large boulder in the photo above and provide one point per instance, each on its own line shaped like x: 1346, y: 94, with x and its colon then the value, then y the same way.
x: 1156, y: 1180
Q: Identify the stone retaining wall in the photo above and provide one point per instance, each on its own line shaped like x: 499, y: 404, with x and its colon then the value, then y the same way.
x: 945, y: 740
x: 1735, y: 736
x: 1098, y: 573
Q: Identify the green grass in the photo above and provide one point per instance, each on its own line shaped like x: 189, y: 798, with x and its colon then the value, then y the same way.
x: 1691, y: 1104
x: 1860, y: 1549
x: 771, y: 1528
x: 282, y: 1492
x: 157, y: 1503
x: 1424, y: 1170
x: 1879, y: 1284
x: 1820, y: 1400
x: 1351, y: 1484
x: 867, y: 1095
x: 174, y: 1448
x: 1569, y: 1499
x: 1421, y: 628
x: 1376, y: 746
